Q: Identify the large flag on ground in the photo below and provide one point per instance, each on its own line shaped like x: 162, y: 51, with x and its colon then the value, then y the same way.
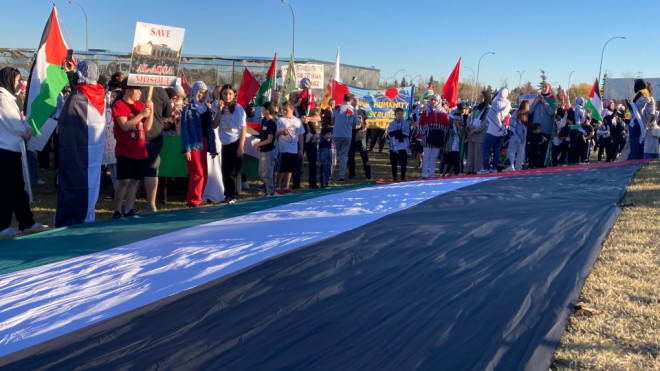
x: 450, y: 90
x: 86, y: 295
x: 289, y: 81
x: 595, y: 103
x: 81, y: 140
x: 47, y: 78
x: 429, y: 91
x: 264, y: 93
x: 249, y: 87
x: 334, y: 81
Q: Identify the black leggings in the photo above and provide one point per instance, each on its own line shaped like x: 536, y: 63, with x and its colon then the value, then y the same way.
x: 230, y: 168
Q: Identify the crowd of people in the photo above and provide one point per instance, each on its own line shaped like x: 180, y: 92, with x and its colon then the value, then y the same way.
x: 488, y: 137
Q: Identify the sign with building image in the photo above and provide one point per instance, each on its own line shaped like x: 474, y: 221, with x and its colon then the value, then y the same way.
x: 155, y: 55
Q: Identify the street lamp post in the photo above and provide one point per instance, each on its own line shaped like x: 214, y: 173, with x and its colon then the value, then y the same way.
x: 401, y: 70
x: 472, y: 82
x: 293, y: 29
x: 603, y: 52
x: 568, y: 89
x: 520, y: 73
x: 479, y: 66
x: 86, y: 24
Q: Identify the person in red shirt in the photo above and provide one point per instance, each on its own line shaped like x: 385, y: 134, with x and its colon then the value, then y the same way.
x: 132, y: 119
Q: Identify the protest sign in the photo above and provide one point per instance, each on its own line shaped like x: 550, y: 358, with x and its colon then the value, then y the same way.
x: 156, y: 55
x: 314, y: 72
x: 380, y: 104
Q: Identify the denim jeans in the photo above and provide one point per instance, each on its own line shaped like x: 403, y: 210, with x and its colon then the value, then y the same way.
x: 492, y: 144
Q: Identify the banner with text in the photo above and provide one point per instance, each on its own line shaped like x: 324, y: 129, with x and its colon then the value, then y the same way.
x: 156, y: 55
x: 314, y: 72
x: 380, y: 104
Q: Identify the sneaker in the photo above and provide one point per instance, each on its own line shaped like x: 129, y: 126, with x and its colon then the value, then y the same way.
x: 233, y: 200
x: 116, y: 215
x: 394, y: 179
x: 483, y: 171
x: 38, y: 226
x: 341, y: 180
x: 493, y: 170
x: 279, y: 192
x: 129, y: 213
x: 10, y: 231
x: 40, y: 182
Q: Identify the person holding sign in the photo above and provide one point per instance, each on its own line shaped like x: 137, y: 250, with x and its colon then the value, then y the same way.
x: 197, y: 138
x: 230, y: 120
x: 132, y: 118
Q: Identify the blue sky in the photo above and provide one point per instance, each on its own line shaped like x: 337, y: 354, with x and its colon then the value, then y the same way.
x: 423, y: 37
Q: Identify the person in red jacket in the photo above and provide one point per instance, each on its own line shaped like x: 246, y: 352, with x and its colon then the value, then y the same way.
x: 433, y: 126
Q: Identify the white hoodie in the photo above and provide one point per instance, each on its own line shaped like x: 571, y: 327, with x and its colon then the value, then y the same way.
x: 12, y: 126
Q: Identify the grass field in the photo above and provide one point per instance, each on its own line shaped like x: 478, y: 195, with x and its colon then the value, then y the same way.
x: 617, y: 325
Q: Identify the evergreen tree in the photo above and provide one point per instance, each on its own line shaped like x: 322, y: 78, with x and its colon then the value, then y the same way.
x: 431, y: 81
x: 403, y: 81
x: 544, y: 80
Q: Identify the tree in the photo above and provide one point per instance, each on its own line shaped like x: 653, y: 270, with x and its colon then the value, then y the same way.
x: 544, y: 80
x: 431, y: 81
x: 583, y: 90
x: 403, y: 81
x: 491, y: 91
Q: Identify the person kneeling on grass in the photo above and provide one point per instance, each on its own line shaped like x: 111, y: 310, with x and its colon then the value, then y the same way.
x: 399, y: 133
x: 291, y: 140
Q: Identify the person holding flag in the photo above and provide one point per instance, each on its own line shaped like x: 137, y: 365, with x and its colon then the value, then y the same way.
x: 13, y: 131
x: 642, y: 111
x: 543, y: 110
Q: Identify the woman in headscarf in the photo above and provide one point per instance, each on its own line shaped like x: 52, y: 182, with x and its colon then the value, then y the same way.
x: 13, y: 131
x: 81, y: 144
x: 518, y: 125
x: 496, y: 131
x: 543, y: 110
x: 197, y: 138
x: 476, y: 132
x: 232, y: 130
x: 433, y: 127
x: 642, y: 110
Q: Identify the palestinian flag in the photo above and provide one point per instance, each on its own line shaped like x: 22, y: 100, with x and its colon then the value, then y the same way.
x: 81, y: 128
x: 289, y: 81
x: 427, y: 93
x: 249, y: 87
x: 264, y: 93
x: 47, y: 77
x: 344, y: 278
x: 595, y: 103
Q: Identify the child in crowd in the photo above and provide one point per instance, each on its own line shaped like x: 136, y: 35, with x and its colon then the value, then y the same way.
x: 536, y: 139
x: 327, y: 156
x: 399, y: 134
x: 291, y: 139
x: 266, y: 148
x: 651, y: 138
x: 453, y: 145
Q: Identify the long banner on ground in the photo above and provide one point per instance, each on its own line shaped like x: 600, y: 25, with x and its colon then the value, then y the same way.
x: 380, y: 104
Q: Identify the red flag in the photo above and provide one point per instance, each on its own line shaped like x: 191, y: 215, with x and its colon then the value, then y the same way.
x: 184, y: 83
x: 564, y: 100
x: 338, y: 92
x: 248, y: 89
x: 450, y: 91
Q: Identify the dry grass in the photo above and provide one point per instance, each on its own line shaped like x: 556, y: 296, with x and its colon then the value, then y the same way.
x: 624, y: 288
